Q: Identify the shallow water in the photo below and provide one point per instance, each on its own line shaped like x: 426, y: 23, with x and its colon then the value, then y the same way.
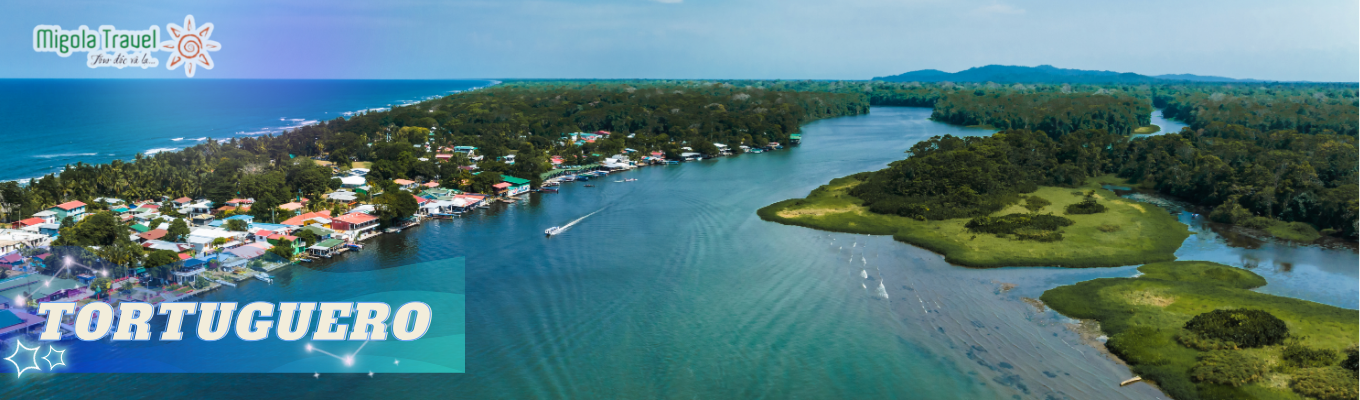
x: 676, y: 289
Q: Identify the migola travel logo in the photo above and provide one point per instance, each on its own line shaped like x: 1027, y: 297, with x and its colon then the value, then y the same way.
x: 111, y: 47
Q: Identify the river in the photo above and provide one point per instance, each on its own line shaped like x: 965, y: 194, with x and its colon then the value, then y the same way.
x: 676, y: 289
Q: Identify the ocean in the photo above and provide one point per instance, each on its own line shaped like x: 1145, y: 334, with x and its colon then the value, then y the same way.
x: 49, y: 123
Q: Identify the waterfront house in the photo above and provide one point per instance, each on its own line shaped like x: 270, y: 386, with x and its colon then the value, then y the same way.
x: 440, y: 193
x: 516, y: 185
x: 325, y: 248
x: 691, y: 156
x: 795, y: 138
x: 73, y: 209
x: 187, y: 272
x: 355, y: 224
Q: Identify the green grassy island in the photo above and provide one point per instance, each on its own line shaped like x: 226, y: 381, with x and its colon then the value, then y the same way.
x: 1197, y: 331
x: 1127, y: 233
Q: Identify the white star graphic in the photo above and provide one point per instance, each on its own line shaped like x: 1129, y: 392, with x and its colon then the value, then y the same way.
x: 20, y: 345
x: 61, y: 357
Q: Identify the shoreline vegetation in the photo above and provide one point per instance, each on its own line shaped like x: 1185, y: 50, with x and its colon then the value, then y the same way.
x: 1165, y: 323
x: 1127, y: 233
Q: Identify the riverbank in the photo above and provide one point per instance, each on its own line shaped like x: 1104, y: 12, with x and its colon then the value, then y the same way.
x: 1128, y: 233
x: 1144, y: 316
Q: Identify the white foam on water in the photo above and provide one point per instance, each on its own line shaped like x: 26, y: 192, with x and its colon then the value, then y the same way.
x: 158, y: 150
x: 864, y: 273
x: 569, y: 224
x: 64, y: 155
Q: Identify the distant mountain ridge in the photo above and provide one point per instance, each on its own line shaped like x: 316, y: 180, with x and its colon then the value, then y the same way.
x: 1045, y: 74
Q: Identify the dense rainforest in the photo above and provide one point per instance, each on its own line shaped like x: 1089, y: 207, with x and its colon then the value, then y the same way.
x: 1305, y: 108
x: 1267, y: 152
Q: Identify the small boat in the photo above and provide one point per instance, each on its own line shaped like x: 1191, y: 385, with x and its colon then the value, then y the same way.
x: 264, y: 277
x: 618, y: 181
x: 553, y: 231
x: 508, y: 200
x: 549, y: 190
x: 354, y: 246
x: 630, y: 180
x: 392, y: 230
x: 589, y: 185
x: 306, y: 260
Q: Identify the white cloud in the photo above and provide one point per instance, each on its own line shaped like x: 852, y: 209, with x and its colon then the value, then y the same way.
x: 999, y: 8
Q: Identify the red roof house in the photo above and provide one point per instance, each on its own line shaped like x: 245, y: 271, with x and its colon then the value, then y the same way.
x: 154, y: 234
x: 354, y: 222
x: 27, y: 222
x: 70, y: 205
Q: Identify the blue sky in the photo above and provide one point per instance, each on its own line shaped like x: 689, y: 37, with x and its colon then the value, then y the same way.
x: 791, y: 39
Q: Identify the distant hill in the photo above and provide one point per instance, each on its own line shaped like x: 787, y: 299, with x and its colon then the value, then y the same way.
x: 1044, y: 74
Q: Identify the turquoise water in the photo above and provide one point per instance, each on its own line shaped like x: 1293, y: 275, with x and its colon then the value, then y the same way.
x: 675, y: 289
x: 53, y: 122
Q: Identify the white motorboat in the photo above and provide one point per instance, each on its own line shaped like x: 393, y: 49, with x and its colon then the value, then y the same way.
x: 553, y: 230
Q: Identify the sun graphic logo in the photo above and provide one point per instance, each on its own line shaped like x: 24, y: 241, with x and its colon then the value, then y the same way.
x: 190, y: 46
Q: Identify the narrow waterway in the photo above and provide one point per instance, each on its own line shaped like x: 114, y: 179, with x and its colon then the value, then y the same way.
x: 676, y: 289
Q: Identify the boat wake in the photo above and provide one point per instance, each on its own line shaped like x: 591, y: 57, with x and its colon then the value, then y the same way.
x: 558, y: 230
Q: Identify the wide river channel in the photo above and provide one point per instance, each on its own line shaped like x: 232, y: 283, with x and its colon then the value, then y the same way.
x: 676, y: 289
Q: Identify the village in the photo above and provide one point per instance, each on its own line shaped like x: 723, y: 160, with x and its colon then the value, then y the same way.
x: 225, y: 245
